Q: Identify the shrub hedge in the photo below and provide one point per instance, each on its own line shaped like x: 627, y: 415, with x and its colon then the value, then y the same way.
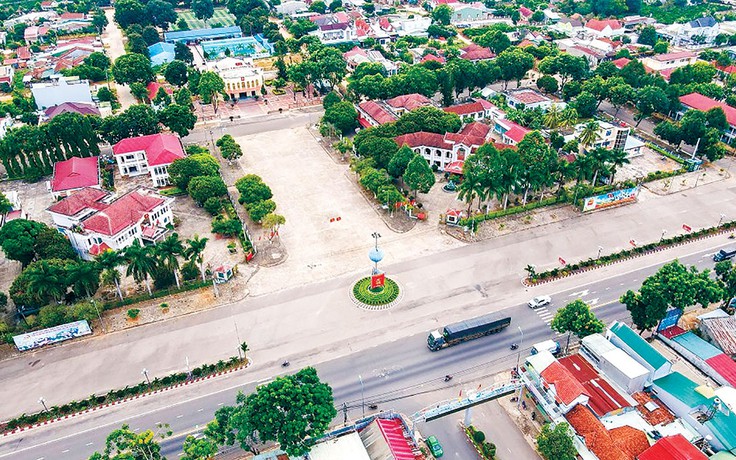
x: 117, y: 395
x: 362, y: 292
x: 186, y: 286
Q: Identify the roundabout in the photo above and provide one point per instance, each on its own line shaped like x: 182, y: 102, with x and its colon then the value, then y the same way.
x: 375, y: 299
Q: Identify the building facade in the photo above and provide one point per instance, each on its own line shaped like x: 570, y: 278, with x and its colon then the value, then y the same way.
x: 242, y: 79
x: 151, y: 155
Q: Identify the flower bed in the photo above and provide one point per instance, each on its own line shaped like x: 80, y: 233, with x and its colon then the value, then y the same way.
x: 485, y: 449
x: 363, y: 293
x: 589, y: 264
x: 115, y: 396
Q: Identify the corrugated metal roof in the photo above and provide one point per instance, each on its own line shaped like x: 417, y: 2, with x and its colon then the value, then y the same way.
x: 724, y: 365
x: 723, y: 332
x: 724, y: 428
x: 681, y: 388
x: 698, y: 346
x: 638, y: 345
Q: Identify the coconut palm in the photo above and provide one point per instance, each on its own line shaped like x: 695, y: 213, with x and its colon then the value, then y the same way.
x: 84, y: 277
x: 584, y: 167
x: 600, y: 158
x: 553, y: 117
x: 168, y: 252
x: 616, y: 159
x: 46, y: 280
x: 195, y: 251
x: 563, y: 171
x: 568, y: 117
x: 472, y: 186
x: 141, y: 263
x: 109, y: 261
x: 589, y: 134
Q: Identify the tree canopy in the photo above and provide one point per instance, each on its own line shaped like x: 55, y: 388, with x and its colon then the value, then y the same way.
x: 555, y: 443
x: 577, y: 318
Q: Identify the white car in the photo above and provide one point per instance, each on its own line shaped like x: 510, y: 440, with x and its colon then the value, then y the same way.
x: 540, y: 301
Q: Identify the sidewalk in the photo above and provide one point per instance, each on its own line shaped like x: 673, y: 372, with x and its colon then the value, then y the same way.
x: 314, y: 322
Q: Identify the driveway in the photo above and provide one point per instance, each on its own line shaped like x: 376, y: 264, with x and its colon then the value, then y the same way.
x: 113, y: 40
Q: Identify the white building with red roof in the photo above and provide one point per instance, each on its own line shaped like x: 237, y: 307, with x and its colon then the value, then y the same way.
x: 476, y: 109
x: 94, y: 221
x: 529, y: 99
x: 74, y: 174
x: 696, y: 101
x: 604, y: 28
x: 374, y: 113
x: 669, y: 61
x: 443, y: 149
x: 150, y: 154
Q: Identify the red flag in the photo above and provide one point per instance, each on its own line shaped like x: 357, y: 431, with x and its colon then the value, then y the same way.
x: 378, y: 281
x: 686, y: 227
x: 562, y: 261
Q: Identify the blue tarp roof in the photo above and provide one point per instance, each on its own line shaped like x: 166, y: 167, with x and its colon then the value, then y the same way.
x: 161, y: 47
x: 697, y: 346
x: 202, y: 33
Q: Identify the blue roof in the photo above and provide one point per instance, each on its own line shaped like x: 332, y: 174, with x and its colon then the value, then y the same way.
x: 682, y: 388
x: 724, y: 428
x: 202, y: 33
x: 161, y: 47
x: 697, y: 346
x: 638, y: 345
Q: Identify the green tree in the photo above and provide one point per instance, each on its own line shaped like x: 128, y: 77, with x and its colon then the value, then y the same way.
x: 589, y: 134
x: 162, y: 98
x: 139, y: 92
x: 514, y: 64
x: 566, y: 66
x: 202, y: 187
x: 555, y: 443
x: 291, y: 410
x: 125, y: 444
x: 137, y: 45
x: 176, y: 73
x: 442, y: 14
x: 150, y: 35
x: 399, y: 161
x: 226, y: 227
x: 577, y: 318
x: 650, y: 99
x: 5, y: 205
x: 168, y: 251
x: 716, y: 118
x: 203, y: 9
x: 194, y: 251
x: 252, y: 189
x: 260, y: 209
x: 99, y: 20
x: 128, y: 12
x: 183, y: 53
x: 83, y: 277
x: 183, y: 97
x: 648, y: 36
x: 182, y: 170
x: 209, y: 87
x: 538, y: 162
x: 18, y: 239
x: 548, y: 84
x: 673, y: 286
x: 47, y: 279
x: 137, y: 120
x: 132, y: 67
x: 585, y: 104
x: 141, y: 263
x: 198, y: 448
x: 472, y: 186
x: 342, y: 115
x: 161, y: 13
x: 105, y: 94
x: 380, y: 149
x: 272, y: 222
x: 318, y: 6
x: 333, y: 98
x: 418, y: 175
x: 109, y: 261
x: 178, y: 118
x: 496, y: 40
x: 661, y: 47
x: 620, y: 95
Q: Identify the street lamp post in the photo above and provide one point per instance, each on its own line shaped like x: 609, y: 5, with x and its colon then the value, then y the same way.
x: 43, y: 403
x: 145, y: 373
x: 661, y: 237
x: 362, y: 393
x: 720, y: 221
x: 521, y: 344
x: 600, y: 249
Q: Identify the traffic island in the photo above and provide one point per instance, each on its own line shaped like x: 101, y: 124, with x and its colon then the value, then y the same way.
x: 367, y: 296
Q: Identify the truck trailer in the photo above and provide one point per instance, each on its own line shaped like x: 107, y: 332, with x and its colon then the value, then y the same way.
x: 467, y: 330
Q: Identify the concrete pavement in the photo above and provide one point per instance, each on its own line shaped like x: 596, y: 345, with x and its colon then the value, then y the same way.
x: 401, y: 375
x: 112, y: 38
x: 310, y: 323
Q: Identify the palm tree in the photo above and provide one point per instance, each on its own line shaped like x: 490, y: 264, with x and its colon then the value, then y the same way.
x: 564, y: 171
x: 616, y: 159
x: 141, y: 263
x: 471, y: 187
x: 600, y: 157
x: 195, y: 251
x: 589, y: 134
x: 84, y: 277
x: 584, y: 166
x: 553, y: 117
x: 109, y: 261
x: 46, y: 280
x: 168, y: 251
x: 568, y: 117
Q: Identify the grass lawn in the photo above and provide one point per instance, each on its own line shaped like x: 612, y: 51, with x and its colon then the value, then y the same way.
x: 221, y: 17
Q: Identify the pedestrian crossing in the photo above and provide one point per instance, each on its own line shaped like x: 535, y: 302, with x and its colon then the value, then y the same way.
x: 546, y: 315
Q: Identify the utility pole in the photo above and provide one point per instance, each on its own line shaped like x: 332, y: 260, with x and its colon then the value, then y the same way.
x: 362, y: 392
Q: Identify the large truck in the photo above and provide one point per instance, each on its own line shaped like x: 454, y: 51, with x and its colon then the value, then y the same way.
x: 467, y: 330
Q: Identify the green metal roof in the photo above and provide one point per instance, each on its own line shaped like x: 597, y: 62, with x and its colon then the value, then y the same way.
x: 724, y: 428
x: 683, y: 389
x: 723, y: 455
x: 639, y: 345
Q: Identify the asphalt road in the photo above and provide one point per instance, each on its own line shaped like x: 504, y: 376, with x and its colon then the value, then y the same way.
x: 402, y: 375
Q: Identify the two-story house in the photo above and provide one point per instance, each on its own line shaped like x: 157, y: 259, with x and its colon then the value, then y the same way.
x: 696, y: 101
x: 73, y: 175
x: 604, y: 28
x: 528, y: 98
x: 698, y: 33
x: 150, y: 154
x: 95, y: 222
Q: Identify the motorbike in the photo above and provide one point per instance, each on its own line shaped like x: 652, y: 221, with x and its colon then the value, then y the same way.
x: 285, y: 364
x: 373, y: 406
x: 514, y: 346
x: 448, y: 378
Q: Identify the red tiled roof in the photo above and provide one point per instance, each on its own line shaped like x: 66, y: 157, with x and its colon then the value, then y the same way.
x: 630, y: 440
x: 666, y: 73
x: 23, y: 52
x: 603, y: 397
x: 524, y: 43
x: 76, y: 107
x: 660, y: 415
x: 477, y: 106
x: 516, y: 132
x: 699, y: 102
x: 567, y: 388
x: 599, y: 25
x: 75, y: 173
x: 433, y: 57
x: 727, y: 69
x: 83, y: 199
x: 475, y: 52
x: 393, y: 432
x: 621, y: 62
x: 153, y: 88
x: 672, y: 448
x: 526, y: 12
x: 528, y: 96
x: 376, y: 111
x: 597, y: 438
x: 71, y: 16
x: 724, y: 365
x: 670, y: 56
x: 122, y: 213
x: 356, y: 51
x: 422, y: 139
x: 97, y: 249
x: 409, y: 101
x: 161, y: 149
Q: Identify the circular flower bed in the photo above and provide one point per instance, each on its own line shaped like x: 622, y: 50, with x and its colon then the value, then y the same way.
x: 363, y: 293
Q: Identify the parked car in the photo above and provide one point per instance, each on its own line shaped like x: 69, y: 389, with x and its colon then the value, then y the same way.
x: 434, y: 446
x: 540, y: 301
